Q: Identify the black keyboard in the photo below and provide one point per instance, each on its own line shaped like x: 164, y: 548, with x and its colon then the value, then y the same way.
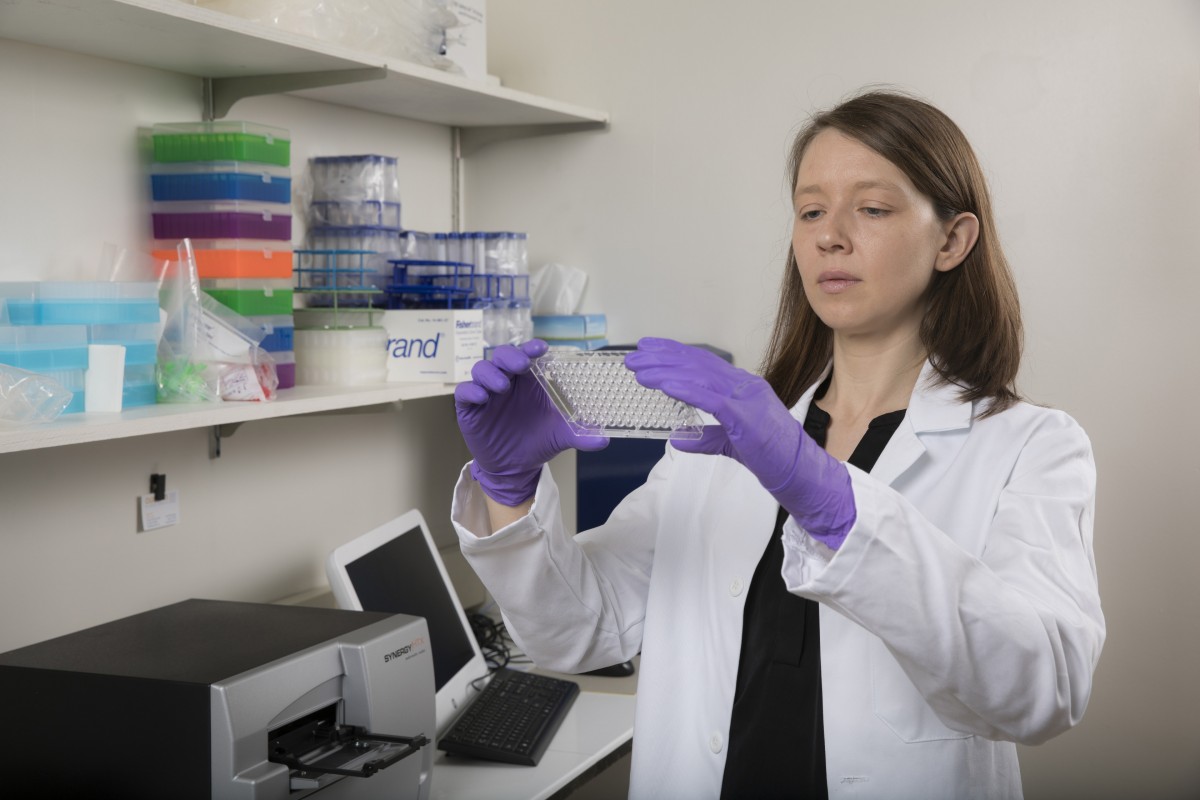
x: 513, y: 719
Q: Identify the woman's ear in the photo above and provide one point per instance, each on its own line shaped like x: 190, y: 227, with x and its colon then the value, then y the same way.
x: 961, y: 234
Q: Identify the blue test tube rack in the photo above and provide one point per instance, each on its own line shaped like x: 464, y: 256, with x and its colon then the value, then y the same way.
x: 338, y: 278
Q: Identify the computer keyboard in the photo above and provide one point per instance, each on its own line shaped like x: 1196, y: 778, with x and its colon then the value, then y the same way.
x: 513, y: 719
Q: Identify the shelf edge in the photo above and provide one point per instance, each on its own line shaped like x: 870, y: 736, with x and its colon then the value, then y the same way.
x: 167, y: 418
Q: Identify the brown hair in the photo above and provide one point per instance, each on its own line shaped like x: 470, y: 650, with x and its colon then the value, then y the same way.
x: 972, y: 325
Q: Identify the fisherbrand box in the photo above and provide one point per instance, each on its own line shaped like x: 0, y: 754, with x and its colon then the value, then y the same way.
x: 433, y: 344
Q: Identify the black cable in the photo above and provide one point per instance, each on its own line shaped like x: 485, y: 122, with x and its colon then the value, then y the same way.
x: 492, y: 639
x: 515, y: 654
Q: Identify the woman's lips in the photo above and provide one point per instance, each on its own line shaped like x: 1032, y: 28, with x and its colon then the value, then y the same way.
x: 836, y: 281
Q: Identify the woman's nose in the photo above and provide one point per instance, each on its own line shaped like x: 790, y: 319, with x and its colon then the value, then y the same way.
x: 831, y: 236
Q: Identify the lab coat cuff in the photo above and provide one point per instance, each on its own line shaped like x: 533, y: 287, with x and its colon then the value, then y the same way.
x: 469, y: 514
x: 809, y: 555
x: 811, y: 568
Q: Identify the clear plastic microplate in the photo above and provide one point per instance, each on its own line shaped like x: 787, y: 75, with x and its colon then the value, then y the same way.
x: 597, y: 394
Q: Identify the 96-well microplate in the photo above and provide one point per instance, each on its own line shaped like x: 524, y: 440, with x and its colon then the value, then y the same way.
x: 598, y: 395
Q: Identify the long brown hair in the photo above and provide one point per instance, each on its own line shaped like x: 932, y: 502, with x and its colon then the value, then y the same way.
x: 972, y: 325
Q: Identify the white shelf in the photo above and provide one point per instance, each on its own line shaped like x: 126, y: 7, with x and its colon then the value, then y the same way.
x: 163, y: 418
x: 241, y: 58
x: 180, y: 37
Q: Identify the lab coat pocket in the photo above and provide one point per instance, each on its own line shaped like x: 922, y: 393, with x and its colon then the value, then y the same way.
x: 898, y: 703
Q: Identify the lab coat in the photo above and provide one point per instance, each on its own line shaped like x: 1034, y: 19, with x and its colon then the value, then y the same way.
x: 960, y: 615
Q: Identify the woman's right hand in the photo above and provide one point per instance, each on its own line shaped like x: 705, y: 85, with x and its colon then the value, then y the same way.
x: 510, y: 425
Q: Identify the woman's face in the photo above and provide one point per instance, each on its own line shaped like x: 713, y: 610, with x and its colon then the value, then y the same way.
x: 866, y: 241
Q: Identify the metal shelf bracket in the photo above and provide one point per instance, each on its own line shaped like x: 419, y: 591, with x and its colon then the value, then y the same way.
x: 221, y: 432
x: 227, y: 430
x: 221, y: 93
x: 474, y: 139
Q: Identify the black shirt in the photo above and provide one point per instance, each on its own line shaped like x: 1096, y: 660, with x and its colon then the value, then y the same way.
x: 776, y: 734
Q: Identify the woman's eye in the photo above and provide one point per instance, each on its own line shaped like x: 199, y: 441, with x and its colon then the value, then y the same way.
x: 810, y: 214
x: 872, y: 211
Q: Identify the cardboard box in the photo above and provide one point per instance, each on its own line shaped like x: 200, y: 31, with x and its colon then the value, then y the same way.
x: 433, y: 344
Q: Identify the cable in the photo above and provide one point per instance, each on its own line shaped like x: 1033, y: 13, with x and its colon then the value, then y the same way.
x: 492, y: 639
x: 515, y: 654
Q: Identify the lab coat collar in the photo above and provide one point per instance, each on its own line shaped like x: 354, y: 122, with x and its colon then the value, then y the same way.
x: 936, y: 406
x: 933, y: 408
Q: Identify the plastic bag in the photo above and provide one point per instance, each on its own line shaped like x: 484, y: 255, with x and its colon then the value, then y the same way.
x: 413, y: 30
x: 557, y: 289
x: 184, y: 375
x: 208, y: 352
x: 26, y: 397
x: 244, y: 371
x: 122, y: 264
x: 255, y: 381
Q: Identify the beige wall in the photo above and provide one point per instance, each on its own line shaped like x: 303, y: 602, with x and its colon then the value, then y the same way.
x: 1085, y: 115
x: 258, y: 522
x: 1087, y: 119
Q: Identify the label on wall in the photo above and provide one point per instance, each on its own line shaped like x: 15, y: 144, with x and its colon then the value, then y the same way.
x: 159, y: 513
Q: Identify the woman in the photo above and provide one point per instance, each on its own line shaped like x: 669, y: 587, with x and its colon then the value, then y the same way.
x: 875, y: 575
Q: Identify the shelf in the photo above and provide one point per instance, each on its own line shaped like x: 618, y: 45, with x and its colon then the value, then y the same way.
x: 147, y: 420
x: 238, y: 58
x: 245, y: 58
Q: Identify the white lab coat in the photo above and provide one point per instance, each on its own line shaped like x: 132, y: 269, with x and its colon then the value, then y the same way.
x: 960, y: 615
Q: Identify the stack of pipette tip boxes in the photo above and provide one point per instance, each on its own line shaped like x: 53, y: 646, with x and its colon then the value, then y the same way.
x: 353, y: 227
x: 51, y: 325
x: 227, y: 186
x: 486, y: 270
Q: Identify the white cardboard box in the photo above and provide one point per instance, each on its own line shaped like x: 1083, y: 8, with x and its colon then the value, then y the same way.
x: 433, y: 344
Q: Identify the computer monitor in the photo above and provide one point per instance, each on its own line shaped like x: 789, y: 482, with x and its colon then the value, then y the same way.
x: 396, y: 568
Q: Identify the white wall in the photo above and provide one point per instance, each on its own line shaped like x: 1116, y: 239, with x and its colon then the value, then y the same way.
x: 1086, y: 117
x: 257, y: 522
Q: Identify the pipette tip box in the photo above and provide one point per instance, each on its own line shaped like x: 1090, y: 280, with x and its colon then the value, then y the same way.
x: 221, y: 219
x: 221, y: 180
x: 233, y: 258
x: 221, y: 140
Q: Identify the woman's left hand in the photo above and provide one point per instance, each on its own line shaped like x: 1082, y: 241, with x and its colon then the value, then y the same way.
x: 756, y: 430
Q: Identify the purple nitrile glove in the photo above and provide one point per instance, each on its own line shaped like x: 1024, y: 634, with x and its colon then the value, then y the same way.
x: 511, y: 426
x: 756, y: 430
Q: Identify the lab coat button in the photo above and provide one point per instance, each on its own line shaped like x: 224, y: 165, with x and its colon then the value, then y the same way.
x: 736, y: 587
x: 715, y: 743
